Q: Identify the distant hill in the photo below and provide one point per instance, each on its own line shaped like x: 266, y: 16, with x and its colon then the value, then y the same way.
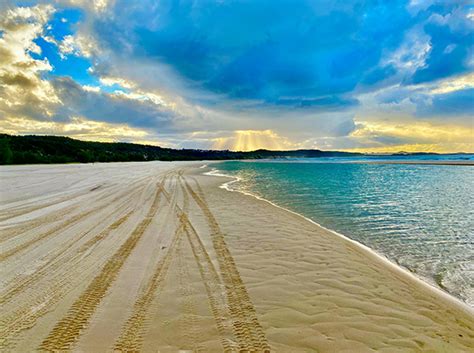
x: 34, y: 149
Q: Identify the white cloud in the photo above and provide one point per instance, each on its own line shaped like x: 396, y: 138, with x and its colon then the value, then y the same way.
x: 79, y: 44
x: 68, y: 46
x: 77, y: 127
x: 110, y: 81
x: 91, y: 5
x: 89, y: 88
x: 409, y: 136
x: 453, y: 84
x: 415, y: 6
x: 22, y: 90
x: 412, y: 53
x: 142, y: 96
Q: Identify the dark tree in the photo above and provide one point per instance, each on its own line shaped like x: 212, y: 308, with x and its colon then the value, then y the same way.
x: 59, y: 149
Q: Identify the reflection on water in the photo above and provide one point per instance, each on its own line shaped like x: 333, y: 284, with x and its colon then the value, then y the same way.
x: 420, y: 216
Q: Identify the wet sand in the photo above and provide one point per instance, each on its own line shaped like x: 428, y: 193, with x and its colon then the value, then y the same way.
x: 156, y: 257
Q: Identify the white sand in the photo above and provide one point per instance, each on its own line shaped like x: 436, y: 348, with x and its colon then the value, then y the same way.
x: 155, y: 256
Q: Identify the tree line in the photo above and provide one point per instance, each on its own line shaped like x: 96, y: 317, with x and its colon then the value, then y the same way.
x: 33, y: 149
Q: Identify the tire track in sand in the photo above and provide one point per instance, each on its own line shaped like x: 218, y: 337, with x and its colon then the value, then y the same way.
x: 49, y: 218
x: 131, y: 338
x: 212, y: 282
x: 214, y: 289
x: 26, y: 316
x: 54, y: 216
x: 135, y: 327
x: 60, y: 283
x: 67, y: 331
x: 58, y: 261
x: 188, y: 321
x: 25, y: 209
x: 71, y: 221
x: 64, y: 253
x: 51, y: 232
x: 59, y: 264
x: 246, y: 326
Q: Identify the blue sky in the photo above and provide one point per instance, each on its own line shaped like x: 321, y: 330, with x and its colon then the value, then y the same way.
x: 353, y: 75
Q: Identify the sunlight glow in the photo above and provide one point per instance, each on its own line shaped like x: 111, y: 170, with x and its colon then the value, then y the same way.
x: 414, y: 137
x: 77, y: 127
x: 251, y: 140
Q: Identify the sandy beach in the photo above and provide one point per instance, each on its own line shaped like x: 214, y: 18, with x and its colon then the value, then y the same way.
x: 157, y: 257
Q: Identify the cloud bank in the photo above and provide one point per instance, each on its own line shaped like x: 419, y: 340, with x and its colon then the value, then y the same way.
x: 287, y: 74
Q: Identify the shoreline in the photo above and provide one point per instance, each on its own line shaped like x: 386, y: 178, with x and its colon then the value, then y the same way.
x: 161, y: 256
x: 212, y: 161
x: 445, y: 295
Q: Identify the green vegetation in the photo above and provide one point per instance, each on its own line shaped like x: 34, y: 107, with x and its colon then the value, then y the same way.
x: 58, y: 149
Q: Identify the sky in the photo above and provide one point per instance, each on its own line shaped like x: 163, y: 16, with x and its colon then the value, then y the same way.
x: 371, y: 76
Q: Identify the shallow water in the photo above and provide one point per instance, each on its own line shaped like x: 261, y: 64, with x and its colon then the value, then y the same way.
x: 419, y: 216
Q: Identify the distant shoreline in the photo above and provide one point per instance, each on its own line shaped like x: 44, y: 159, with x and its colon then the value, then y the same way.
x: 345, y: 161
x: 31, y: 149
x: 470, y: 163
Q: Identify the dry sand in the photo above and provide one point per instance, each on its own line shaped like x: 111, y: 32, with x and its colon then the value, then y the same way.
x: 156, y: 257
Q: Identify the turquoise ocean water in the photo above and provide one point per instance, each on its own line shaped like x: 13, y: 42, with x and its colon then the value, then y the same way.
x: 419, y: 216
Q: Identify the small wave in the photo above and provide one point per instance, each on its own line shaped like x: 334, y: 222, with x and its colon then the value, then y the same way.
x: 420, y: 278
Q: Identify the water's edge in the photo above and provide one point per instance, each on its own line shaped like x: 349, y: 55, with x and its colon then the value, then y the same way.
x: 367, y: 250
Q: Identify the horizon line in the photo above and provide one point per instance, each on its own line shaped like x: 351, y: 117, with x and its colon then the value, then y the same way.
x: 401, y: 152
